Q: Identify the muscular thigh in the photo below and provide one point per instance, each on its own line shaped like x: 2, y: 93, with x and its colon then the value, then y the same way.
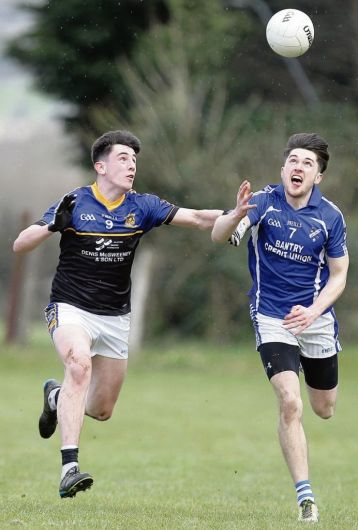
x: 107, y: 379
x: 71, y: 341
x: 69, y: 333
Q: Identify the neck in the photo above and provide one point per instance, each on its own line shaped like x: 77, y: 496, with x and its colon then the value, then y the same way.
x: 109, y: 191
x: 297, y: 202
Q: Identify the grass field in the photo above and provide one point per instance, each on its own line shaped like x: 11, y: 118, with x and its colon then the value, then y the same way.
x: 192, y: 445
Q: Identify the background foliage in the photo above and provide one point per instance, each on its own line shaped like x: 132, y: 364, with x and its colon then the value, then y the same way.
x: 212, y: 104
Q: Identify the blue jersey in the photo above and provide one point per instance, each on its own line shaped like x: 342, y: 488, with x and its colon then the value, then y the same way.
x: 98, y: 247
x: 288, y: 249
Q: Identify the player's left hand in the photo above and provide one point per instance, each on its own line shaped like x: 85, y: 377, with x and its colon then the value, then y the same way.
x: 299, y: 318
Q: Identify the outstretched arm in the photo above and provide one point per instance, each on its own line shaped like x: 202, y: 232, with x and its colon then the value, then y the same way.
x: 226, y: 225
x: 31, y: 238
x: 202, y: 219
x: 34, y: 235
x: 300, y: 317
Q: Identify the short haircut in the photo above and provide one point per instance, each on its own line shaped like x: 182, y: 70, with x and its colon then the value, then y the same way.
x: 313, y: 142
x: 103, y: 145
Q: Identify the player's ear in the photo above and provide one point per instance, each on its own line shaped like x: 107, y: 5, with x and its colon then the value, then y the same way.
x: 100, y: 167
x: 318, y: 178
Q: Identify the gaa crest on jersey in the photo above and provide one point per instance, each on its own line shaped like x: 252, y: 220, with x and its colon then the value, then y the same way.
x: 274, y: 222
x: 130, y: 220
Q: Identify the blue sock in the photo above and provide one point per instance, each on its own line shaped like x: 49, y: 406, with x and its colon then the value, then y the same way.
x: 304, y: 491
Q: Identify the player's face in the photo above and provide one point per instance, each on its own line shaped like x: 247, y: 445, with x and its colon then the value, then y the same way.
x: 119, y: 167
x: 300, y: 173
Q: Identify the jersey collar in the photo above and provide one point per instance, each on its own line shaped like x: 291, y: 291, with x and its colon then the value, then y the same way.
x: 110, y: 205
x: 314, y: 200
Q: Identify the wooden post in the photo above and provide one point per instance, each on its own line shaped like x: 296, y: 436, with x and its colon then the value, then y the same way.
x: 142, y: 278
x: 13, y: 326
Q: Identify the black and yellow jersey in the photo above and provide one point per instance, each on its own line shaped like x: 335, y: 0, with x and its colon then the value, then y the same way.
x: 97, y: 248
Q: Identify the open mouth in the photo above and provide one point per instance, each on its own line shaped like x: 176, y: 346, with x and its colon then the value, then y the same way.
x: 296, y: 179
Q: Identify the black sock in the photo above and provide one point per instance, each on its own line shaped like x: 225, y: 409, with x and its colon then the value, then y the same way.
x: 69, y: 455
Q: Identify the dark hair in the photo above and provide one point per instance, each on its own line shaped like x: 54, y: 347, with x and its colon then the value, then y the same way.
x: 312, y: 142
x: 103, y: 145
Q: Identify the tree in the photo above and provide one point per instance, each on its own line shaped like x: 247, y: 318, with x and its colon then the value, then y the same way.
x: 189, y: 136
x: 74, y: 46
x: 196, y: 149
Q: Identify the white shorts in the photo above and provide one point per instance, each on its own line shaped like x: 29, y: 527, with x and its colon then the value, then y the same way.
x: 109, y: 334
x: 319, y: 340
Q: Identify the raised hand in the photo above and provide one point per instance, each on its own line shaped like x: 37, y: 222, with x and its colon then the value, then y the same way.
x: 242, y: 200
x: 63, y: 213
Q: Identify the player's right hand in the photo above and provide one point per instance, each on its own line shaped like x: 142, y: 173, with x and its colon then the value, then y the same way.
x: 242, y: 200
x: 63, y: 213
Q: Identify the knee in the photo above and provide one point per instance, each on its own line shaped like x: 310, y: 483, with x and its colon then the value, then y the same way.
x: 324, y: 410
x: 104, y: 415
x: 290, y: 407
x: 78, y: 367
x: 100, y: 415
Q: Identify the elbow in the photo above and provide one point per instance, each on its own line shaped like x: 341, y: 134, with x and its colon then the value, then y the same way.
x: 216, y: 239
x: 16, y: 247
x: 343, y: 283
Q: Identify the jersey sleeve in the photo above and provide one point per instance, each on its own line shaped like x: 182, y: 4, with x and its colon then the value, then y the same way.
x: 337, y: 240
x: 48, y: 216
x: 259, y: 198
x: 157, y: 211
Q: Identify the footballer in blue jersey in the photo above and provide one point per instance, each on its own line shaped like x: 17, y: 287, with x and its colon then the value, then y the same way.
x: 288, y: 249
x: 298, y: 262
x: 89, y: 311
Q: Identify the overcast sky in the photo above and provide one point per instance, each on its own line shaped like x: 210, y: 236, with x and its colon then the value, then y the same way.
x: 19, y: 100
x: 12, y: 22
x: 34, y: 150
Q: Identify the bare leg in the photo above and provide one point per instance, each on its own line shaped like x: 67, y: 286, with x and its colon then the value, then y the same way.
x: 323, y: 402
x: 107, y: 378
x: 290, y: 430
x: 90, y: 384
x: 73, y: 346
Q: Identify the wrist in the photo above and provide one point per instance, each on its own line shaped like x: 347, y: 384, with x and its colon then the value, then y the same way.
x: 315, y: 312
x: 51, y: 227
x: 234, y: 216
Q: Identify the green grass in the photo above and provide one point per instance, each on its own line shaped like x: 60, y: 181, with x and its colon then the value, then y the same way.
x: 192, y: 445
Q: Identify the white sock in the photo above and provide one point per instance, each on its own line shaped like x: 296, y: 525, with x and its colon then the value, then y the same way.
x: 67, y: 467
x: 52, y: 398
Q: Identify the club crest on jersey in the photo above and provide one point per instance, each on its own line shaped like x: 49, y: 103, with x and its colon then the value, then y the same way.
x: 314, y: 233
x: 130, y: 220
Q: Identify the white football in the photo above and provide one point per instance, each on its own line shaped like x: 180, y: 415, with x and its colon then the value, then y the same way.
x: 290, y: 32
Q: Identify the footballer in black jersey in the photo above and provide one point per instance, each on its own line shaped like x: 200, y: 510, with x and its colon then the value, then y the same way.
x: 98, y: 247
x: 89, y: 311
